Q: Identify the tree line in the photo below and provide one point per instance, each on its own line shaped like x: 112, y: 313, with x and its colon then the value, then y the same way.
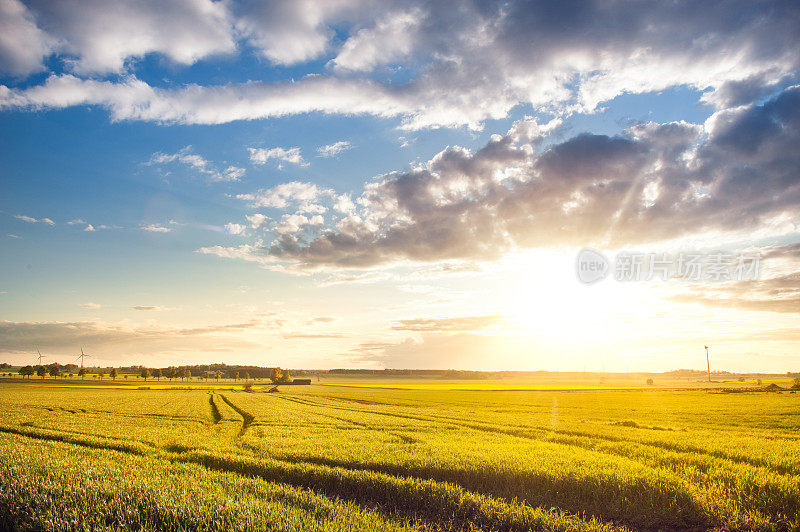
x: 276, y: 375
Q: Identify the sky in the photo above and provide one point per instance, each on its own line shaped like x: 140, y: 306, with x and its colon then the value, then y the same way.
x: 381, y: 184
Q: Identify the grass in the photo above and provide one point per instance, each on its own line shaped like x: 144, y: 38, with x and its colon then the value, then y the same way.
x: 417, y: 457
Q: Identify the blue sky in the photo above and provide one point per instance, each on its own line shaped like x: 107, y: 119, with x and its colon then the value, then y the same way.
x: 167, y: 196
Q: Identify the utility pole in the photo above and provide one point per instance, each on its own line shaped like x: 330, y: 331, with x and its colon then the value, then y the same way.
x: 708, y: 365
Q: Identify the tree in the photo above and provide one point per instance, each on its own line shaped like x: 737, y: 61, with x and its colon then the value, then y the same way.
x: 246, y: 376
x: 187, y: 374
x: 55, y: 371
x: 26, y: 371
x: 649, y: 382
x: 217, y: 375
x: 157, y: 374
x: 100, y: 374
x: 278, y: 376
x: 236, y: 375
x: 113, y: 373
x: 170, y: 373
x: 145, y: 374
x: 41, y: 371
x: 82, y: 373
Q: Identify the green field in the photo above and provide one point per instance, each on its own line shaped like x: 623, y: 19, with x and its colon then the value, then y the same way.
x: 335, y: 457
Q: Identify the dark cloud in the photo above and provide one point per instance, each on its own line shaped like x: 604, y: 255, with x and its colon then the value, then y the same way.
x: 655, y: 182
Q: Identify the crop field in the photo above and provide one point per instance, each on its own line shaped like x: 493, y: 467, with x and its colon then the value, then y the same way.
x: 327, y: 457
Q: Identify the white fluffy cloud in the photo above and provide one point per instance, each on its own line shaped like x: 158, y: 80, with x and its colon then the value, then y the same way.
x: 155, y: 228
x: 32, y: 220
x: 391, y: 38
x: 332, y: 150
x: 287, y: 155
x: 291, y: 32
x: 23, y: 46
x: 285, y: 194
x: 257, y: 220
x: 95, y: 37
x: 234, y: 229
x: 199, y: 163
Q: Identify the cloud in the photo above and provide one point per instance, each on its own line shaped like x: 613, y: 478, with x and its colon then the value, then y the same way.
x: 780, y: 293
x: 788, y: 251
x: 656, y: 182
x: 288, y: 155
x: 312, y: 336
x: 91, y: 38
x: 32, y: 220
x: 23, y: 46
x: 155, y: 228
x: 293, y: 32
x: 293, y: 223
x: 455, y: 324
x: 445, y: 269
x: 234, y: 229
x: 332, y: 150
x: 467, y: 62
x: 322, y: 319
x: 133, y: 99
x: 148, y: 308
x: 344, y: 204
x: 285, y: 194
x: 197, y: 162
x: 91, y: 306
x: 358, y: 278
x: 447, y: 351
x: 257, y: 220
x: 113, y: 339
x: 393, y: 37
x: 89, y: 228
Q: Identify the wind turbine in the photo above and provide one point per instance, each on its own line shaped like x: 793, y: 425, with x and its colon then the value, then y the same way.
x: 41, y: 356
x: 708, y: 364
x: 81, y: 357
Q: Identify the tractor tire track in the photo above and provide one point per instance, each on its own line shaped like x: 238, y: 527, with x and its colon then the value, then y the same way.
x: 247, y: 417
